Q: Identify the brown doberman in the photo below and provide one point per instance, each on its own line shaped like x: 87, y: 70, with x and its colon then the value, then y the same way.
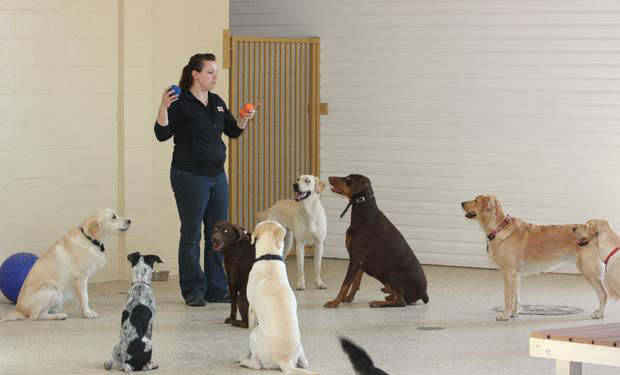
x: 376, y: 247
x: 234, y: 243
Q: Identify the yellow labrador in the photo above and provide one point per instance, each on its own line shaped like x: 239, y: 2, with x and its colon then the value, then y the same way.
x: 304, y: 218
x: 520, y: 248
x: 275, y: 341
x: 65, y: 268
x: 603, y: 238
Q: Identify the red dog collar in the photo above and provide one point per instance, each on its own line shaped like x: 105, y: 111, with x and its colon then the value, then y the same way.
x: 614, y: 251
x: 499, y: 227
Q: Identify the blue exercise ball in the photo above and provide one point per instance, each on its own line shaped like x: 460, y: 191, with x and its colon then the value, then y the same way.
x: 13, y: 272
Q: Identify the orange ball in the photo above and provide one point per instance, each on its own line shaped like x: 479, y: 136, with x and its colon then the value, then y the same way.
x: 246, y: 109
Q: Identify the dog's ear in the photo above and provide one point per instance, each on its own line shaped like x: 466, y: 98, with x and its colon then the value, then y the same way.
x: 151, y: 259
x: 362, y: 184
x: 243, y: 234
x: 491, y: 204
x: 365, y: 182
x: 258, y: 231
x: 93, y: 228
x: 134, y: 258
x: 318, y: 185
x: 255, y: 235
x: 278, y: 233
x: 592, y: 228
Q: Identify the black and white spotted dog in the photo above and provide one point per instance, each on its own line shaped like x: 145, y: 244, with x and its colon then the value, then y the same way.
x: 134, y: 351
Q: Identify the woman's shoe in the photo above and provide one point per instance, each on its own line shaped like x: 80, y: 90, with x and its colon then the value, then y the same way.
x: 195, y: 301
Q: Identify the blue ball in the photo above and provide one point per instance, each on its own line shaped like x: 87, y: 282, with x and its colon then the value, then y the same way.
x: 176, y: 89
x: 13, y: 272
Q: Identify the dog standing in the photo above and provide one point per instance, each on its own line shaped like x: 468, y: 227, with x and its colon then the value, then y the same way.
x: 378, y: 248
x: 520, y: 248
x: 134, y: 351
x: 305, y: 221
x: 239, y: 254
x: 606, y: 241
x: 64, y: 269
x: 275, y: 342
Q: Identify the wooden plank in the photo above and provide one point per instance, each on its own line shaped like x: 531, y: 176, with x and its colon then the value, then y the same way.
x: 602, y: 334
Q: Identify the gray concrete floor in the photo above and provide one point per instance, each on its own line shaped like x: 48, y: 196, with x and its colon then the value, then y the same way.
x: 196, y: 341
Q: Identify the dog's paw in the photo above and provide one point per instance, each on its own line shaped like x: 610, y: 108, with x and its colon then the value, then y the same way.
x: 301, y: 285
x: 348, y: 299
x: 245, y: 356
x: 502, y: 318
x: 250, y: 363
x: 320, y: 284
x: 90, y: 314
x: 239, y: 323
x: 331, y: 304
x: 228, y: 320
x: 597, y: 315
x: 151, y: 366
x: 62, y: 316
x: 108, y: 365
x: 375, y: 304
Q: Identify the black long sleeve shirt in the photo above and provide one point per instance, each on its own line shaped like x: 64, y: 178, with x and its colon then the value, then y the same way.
x: 197, y: 131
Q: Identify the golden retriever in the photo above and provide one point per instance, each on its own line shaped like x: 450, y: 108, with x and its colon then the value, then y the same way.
x: 305, y: 219
x: 65, y: 268
x: 603, y: 238
x: 520, y: 248
x: 275, y: 341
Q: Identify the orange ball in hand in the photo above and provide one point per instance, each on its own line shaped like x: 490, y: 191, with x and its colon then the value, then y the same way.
x: 246, y: 109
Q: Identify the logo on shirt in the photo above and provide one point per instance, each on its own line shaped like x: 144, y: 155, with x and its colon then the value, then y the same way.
x: 220, y: 108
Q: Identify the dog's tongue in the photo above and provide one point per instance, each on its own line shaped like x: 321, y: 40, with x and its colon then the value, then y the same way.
x: 298, y: 196
x: 216, y: 246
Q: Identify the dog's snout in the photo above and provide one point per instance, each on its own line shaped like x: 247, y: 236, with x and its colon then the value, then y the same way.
x: 463, y: 204
x: 128, y: 221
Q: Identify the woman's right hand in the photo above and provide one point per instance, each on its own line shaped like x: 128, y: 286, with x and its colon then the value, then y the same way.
x: 168, y: 97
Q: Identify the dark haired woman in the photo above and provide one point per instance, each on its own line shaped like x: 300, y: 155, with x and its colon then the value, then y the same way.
x: 196, y: 118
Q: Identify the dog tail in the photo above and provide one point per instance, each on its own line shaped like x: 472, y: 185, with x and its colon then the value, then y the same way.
x: 362, y: 364
x: 13, y: 315
x: 261, y: 216
x: 425, y: 299
x: 287, y: 367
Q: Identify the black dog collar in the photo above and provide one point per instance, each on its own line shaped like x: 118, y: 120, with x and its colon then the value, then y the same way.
x: 95, y: 242
x: 269, y: 257
x: 360, y: 198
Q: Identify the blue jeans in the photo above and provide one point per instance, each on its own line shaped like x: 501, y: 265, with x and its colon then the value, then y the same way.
x: 200, y: 199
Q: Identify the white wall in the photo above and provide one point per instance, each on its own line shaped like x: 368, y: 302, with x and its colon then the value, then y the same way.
x: 60, y: 117
x: 438, y: 101
x: 58, y: 143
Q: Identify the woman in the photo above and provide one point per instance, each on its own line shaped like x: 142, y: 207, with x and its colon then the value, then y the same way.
x: 196, y: 118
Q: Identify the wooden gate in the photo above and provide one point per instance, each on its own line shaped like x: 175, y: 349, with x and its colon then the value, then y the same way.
x: 282, y: 141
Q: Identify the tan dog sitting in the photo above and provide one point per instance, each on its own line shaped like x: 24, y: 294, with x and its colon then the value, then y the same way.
x: 520, y: 248
x: 599, y: 235
x: 64, y: 269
